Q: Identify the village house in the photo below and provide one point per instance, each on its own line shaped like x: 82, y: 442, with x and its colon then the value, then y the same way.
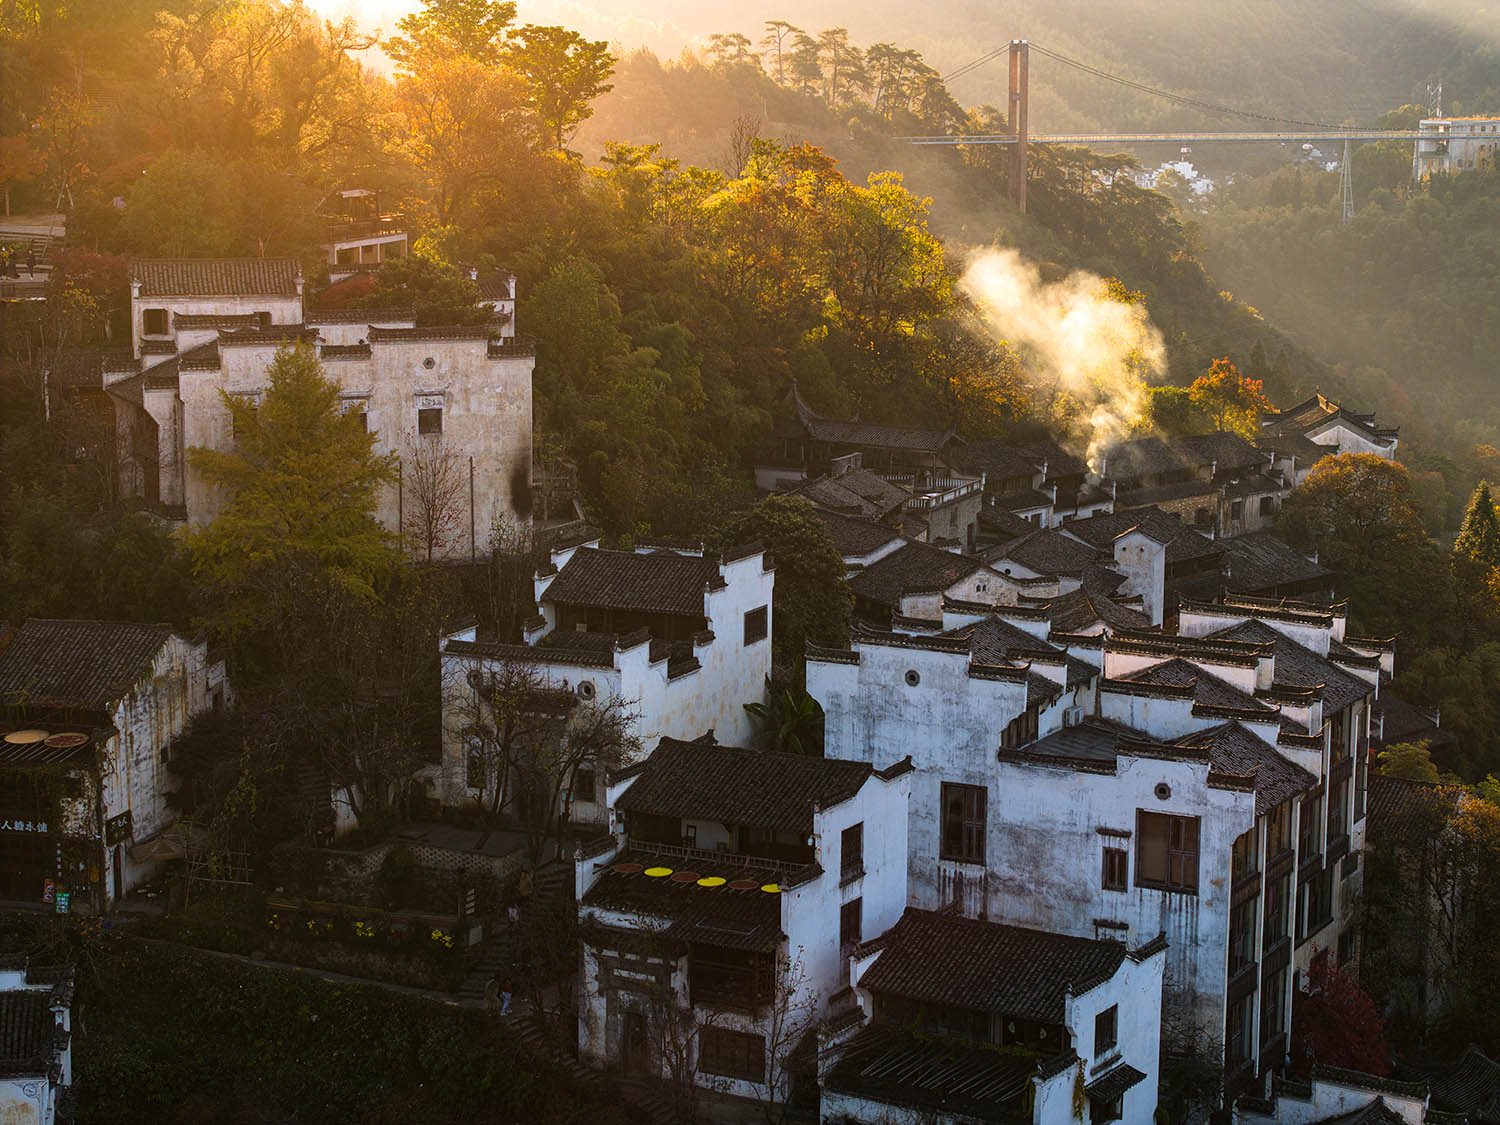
x: 452, y: 403
x: 1300, y: 435
x: 90, y: 710
x: 358, y: 235
x: 1466, y: 1090
x: 1216, y: 482
x: 719, y: 914
x: 36, y: 1042
x: 682, y: 640
x: 966, y: 1020
x: 807, y: 444
x: 1208, y: 783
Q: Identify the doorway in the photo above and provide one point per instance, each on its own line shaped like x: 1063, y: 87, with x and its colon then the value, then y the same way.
x: 636, y: 1052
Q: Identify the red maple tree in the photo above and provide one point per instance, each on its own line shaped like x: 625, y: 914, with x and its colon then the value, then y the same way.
x: 1335, y: 1022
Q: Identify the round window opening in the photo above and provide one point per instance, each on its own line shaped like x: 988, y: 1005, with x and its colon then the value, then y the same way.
x: 586, y: 689
x: 1163, y: 790
x: 912, y: 677
x: 429, y: 363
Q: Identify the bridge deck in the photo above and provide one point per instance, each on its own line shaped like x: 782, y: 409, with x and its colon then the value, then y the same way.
x: 1178, y: 138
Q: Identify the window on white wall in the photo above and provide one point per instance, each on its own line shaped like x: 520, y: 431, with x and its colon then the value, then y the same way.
x: 963, y: 822
x: 154, y: 322
x: 757, y: 625
x: 1106, y: 1030
x: 430, y: 421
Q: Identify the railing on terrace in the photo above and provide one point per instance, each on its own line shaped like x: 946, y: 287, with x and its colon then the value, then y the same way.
x: 341, y: 230
x: 732, y: 858
x: 933, y: 492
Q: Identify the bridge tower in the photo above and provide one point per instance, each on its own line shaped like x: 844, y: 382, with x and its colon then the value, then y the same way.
x: 1019, y: 106
x: 1346, y: 185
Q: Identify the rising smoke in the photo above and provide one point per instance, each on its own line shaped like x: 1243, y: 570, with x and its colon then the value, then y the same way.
x: 1088, y: 354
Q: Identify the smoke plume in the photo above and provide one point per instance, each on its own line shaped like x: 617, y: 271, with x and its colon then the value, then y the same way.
x: 1087, y: 353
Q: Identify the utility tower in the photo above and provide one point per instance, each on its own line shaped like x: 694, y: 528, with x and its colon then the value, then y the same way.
x: 1346, y: 185
x: 1020, y: 55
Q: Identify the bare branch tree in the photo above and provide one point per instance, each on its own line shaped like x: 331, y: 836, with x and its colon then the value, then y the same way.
x: 434, y: 483
x: 742, y: 135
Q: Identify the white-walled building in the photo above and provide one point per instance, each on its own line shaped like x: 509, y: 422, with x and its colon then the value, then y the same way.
x: 94, y: 707
x: 719, y: 914
x: 1208, y: 785
x: 1320, y: 426
x: 963, y: 1020
x: 1455, y: 144
x: 36, y: 1049
x: 683, y: 639
x: 454, y: 400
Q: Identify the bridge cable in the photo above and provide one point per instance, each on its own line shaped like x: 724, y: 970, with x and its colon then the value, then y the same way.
x: 1184, y: 100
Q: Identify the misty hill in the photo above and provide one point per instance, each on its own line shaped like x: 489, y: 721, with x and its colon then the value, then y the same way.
x: 1321, y: 60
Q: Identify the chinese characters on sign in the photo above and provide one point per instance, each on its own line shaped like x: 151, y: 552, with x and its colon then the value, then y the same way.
x: 23, y: 826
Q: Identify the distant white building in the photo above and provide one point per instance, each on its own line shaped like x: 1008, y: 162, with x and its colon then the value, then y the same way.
x: 93, y: 706
x: 719, y: 915
x: 1455, y: 144
x: 683, y: 639
x: 36, y: 1049
x: 452, y: 400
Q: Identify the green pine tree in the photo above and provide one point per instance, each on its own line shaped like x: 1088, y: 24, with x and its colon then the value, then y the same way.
x: 1479, y: 537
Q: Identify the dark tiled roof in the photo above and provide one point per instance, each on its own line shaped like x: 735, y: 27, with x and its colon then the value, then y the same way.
x: 1471, y: 1085
x: 1022, y: 501
x: 358, y: 316
x: 216, y: 277
x: 1233, y: 750
x: 1259, y: 561
x: 1049, y: 552
x: 1394, y: 721
x: 82, y: 664
x: 994, y: 641
x: 853, y: 537
x: 998, y: 461
x: 882, y: 437
x: 1060, y: 462
x: 345, y: 351
x: 654, y: 583
x: 205, y: 357
x: 378, y: 335
x: 1307, y: 452
x: 891, y: 1065
x: 941, y: 958
x: 1228, y: 451
x: 761, y: 788
x: 1208, y: 689
x: 1001, y: 524
x: 1143, y: 457
x: 1317, y: 411
x: 1397, y: 807
x: 1111, y: 1085
x: 1182, y: 542
x: 857, y: 493
x: 1372, y: 1113
x: 915, y: 566
x: 1080, y: 609
x: 27, y: 1032
x: 741, y: 919
x: 267, y: 334
x: 182, y: 321
x: 1300, y: 667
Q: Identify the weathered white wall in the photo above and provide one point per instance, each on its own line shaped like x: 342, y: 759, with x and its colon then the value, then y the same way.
x: 1046, y: 857
x: 487, y: 416
x: 281, y: 309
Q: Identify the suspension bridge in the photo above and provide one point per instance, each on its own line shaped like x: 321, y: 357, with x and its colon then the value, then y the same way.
x: 1282, y: 130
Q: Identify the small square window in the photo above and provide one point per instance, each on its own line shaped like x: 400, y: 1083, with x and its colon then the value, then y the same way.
x: 1237, y: 510
x: 1116, y: 875
x: 430, y: 421
x: 850, y: 920
x: 154, y: 322
x: 757, y: 625
x: 1268, y: 505
x: 583, y: 785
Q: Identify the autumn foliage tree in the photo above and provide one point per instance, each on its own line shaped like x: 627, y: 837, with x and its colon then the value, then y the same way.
x: 1335, y: 1022
x: 1228, y: 400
